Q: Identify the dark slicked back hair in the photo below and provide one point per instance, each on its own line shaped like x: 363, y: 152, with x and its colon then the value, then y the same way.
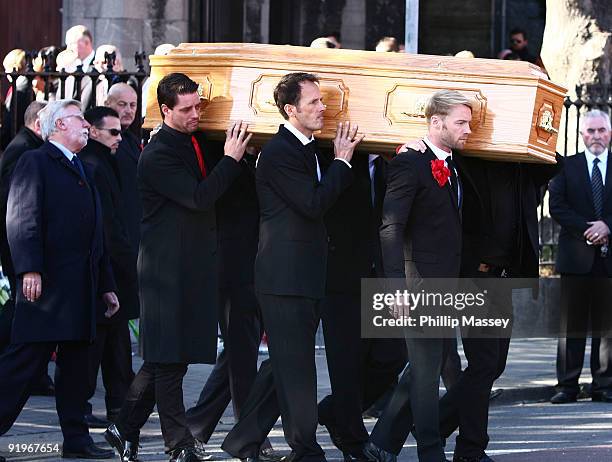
x: 95, y: 115
x: 173, y: 85
x: 518, y: 30
x: 289, y: 90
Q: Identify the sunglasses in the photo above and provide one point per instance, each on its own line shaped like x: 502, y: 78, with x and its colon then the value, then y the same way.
x: 112, y: 131
x: 515, y: 41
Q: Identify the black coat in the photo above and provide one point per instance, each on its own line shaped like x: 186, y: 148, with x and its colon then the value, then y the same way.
x: 500, y: 222
x: 25, y: 140
x: 571, y: 205
x: 127, y: 157
x: 123, y: 255
x: 54, y: 227
x: 177, y: 261
x: 238, y: 227
x: 421, y: 222
x: 352, y: 229
x: 292, y: 253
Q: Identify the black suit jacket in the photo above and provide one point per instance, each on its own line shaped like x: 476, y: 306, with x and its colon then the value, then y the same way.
x: 123, y: 254
x: 421, y: 223
x: 352, y: 228
x: 54, y: 227
x: 571, y: 205
x: 127, y: 157
x: 292, y: 253
x: 25, y: 140
x: 238, y: 223
x: 489, y: 189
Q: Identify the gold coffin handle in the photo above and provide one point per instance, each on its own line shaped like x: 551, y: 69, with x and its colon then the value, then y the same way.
x: 546, y: 122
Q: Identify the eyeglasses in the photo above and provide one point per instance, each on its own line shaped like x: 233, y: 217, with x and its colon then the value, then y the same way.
x: 515, y: 41
x: 112, y: 131
x: 79, y: 117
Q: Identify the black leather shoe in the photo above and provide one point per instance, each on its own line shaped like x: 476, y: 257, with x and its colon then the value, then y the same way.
x: 96, y: 422
x: 269, y: 455
x: 186, y: 455
x: 2, y: 459
x: 200, y: 450
x: 604, y: 396
x: 563, y: 397
x: 88, y: 452
x: 127, y: 450
x: 376, y: 454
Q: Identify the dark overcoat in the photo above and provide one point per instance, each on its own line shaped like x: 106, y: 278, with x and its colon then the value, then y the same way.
x: 122, y: 253
x: 177, y: 261
x: 54, y: 227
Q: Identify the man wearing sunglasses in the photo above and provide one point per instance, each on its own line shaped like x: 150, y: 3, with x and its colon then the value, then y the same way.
x: 112, y: 346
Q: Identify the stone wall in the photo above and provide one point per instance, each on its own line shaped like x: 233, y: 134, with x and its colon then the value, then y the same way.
x: 135, y: 25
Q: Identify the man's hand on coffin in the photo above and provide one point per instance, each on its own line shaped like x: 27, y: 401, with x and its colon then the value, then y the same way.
x: 346, y: 140
x: 417, y: 145
x: 597, y: 233
x: 236, y: 140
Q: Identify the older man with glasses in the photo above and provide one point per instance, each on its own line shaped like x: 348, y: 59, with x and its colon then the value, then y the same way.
x: 55, y: 234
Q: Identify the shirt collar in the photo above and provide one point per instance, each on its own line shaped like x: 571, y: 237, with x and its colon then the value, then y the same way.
x: 439, y: 153
x: 182, y: 136
x: 69, y: 155
x: 89, y: 59
x: 298, y: 134
x: 603, y: 157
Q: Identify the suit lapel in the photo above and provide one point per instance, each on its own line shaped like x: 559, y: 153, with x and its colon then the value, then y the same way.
x: 185, y: 151
x: 586, y: 180
x: 307, y: 151
x: 59, y: 156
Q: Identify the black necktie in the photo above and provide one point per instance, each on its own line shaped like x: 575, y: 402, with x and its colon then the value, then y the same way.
x: 79, y: 166
x: 598, y: 188
x: 454, y: 179
x: 312, y: 149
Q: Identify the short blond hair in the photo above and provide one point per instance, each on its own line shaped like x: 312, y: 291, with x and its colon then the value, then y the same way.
x: 443, y: 101
x: 76, y: 32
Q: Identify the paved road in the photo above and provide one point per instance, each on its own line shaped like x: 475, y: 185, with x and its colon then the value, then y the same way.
x: 520, y: 431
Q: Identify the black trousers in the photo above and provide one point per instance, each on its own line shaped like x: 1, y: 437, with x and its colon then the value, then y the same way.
x: 161, y: 384
x: 396, y: 422
x: 360, y: 370
x: 466, y: 404
x: 112, y: 349
x: 20, y: 367
x: 236, y: 367
x: 584, y: 298
x: 287, y: 383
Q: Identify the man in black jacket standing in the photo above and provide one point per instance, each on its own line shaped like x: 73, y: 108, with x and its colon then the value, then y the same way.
x: 291, y: 261
x: 177, y: 265
x: 112, y: 347
x: 580, y: 203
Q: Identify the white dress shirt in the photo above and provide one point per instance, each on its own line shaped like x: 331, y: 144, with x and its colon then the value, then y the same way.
x: 603, y: 163
x: 69, y: 155
x: 305, y: 140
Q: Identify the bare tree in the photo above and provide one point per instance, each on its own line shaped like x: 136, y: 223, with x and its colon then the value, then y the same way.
x: 577, y: 47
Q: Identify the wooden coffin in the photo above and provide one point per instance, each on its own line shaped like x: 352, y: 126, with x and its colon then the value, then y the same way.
x: 516, y: 109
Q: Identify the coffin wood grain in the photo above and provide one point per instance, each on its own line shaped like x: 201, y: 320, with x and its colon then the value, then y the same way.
x: 383, y: 92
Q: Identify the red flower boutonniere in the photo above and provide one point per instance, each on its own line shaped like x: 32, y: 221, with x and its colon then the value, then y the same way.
x: 440, y: 172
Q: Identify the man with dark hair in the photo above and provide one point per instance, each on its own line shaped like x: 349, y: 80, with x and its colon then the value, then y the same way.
x: 27, y: 138
x: 518, y: 45
x: 112, y: 347
x: 290, y: 267
x: 177, y: 265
